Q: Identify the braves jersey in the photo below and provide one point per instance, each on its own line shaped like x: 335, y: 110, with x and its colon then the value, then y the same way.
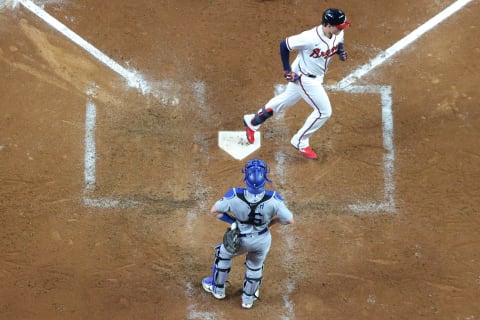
x: 315, y: 51
x: 253, y: 212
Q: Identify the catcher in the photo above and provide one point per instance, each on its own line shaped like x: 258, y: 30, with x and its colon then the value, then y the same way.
x: 251, y: 212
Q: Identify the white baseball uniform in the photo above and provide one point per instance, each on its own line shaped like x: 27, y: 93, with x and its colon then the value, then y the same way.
x: 315, y: 52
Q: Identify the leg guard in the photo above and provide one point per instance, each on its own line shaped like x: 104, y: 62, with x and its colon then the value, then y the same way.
x: 220, y: 271
x: 261, y: 116
x: 251, y: 283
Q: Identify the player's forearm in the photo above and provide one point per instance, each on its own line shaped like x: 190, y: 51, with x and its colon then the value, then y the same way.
x: 223, y: 216
x: 285, y: 55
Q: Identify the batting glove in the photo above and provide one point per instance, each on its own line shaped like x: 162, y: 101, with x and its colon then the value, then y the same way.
x: 341, y: 52
x: 290, y: 76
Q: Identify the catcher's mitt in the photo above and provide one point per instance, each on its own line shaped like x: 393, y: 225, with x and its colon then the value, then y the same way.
x: 231, y: 239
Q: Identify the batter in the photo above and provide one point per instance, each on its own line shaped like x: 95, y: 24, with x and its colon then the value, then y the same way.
x: 315, y: 47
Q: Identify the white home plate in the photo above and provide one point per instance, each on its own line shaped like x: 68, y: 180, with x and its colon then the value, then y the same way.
x: 235, y: 143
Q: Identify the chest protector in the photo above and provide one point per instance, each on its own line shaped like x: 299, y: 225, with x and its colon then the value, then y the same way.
x: 254, y: 218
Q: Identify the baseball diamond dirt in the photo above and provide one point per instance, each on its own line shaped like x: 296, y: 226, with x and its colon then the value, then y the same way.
x: 108, y: 169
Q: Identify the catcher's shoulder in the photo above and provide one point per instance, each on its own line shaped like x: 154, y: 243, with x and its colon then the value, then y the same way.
x: 232, y: 192
x: 274, y: 194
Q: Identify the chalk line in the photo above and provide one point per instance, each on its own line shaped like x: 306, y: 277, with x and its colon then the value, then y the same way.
x: 90, y: 152
x: 413, y: 36
x: 90, y: 160
x: 388, y: 202
x: 387, y: 114
x: 288, y: 237
x: 133, y: 78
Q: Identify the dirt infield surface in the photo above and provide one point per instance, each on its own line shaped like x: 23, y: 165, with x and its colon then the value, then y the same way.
x: 105, y: 188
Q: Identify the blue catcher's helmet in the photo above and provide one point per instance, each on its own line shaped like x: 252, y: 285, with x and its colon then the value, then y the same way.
x: 256, y: 171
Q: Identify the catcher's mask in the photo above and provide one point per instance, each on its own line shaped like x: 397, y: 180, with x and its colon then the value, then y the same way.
x: 256, y: 171
x: 335, y: 17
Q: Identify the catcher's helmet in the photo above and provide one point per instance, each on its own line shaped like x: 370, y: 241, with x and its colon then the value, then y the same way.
x: 335, y: 17
x: 256, y: 171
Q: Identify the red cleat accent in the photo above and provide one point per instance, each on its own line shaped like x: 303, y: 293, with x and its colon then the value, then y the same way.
x: 307, y: 152
x: 250, y: 133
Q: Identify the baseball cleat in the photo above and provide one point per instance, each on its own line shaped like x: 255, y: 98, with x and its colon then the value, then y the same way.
x: 247, y: 305
x: 307, y: 152
x: 207, y: 284
x: 255, y: 297
x: 249, y: 131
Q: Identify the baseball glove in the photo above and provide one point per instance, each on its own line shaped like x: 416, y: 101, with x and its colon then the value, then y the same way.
x: 231, y: 239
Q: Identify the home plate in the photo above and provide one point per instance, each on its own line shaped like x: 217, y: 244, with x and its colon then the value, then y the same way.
x: 235, y: 143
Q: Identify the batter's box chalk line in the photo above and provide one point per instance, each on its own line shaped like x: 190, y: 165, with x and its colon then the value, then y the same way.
x: 90, y: 156
x: 235, y: 144
x: 90, y: 161
x: 387, y: 204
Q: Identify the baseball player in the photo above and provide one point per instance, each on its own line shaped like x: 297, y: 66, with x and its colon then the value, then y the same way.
x: 316, y: 48
x: 252, y: 211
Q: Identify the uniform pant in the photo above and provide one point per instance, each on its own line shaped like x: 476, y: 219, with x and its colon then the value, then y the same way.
x: 256, y: 249
x: 312, y: 91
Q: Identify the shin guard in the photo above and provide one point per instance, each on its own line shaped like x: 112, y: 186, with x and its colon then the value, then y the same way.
x: 220, y: 269
x: 252, y: 281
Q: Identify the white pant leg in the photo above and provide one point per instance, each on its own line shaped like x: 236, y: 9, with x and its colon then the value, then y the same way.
x: 313, y: 92
x: 287, y: 98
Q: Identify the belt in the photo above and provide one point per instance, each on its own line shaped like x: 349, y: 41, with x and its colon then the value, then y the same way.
x: 309, y: 75
x: 253, y: 234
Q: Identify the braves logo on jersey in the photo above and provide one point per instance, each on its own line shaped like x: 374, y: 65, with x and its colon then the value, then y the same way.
x: 317, y: 52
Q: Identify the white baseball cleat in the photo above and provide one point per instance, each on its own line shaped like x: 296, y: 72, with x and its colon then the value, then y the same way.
x: 255, y: 297
x: 247, y: 305
x: 207, y: 284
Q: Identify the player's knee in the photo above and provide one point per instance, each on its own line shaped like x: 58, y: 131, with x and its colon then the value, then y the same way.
x: 325, y: 114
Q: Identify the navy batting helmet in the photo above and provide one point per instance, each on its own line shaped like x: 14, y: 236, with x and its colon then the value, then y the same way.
x: 256, y: 171
x: 335, y: 17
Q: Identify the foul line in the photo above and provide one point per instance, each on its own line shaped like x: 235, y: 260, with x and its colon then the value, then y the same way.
x: 414, y: 35
x: 133, y: 78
